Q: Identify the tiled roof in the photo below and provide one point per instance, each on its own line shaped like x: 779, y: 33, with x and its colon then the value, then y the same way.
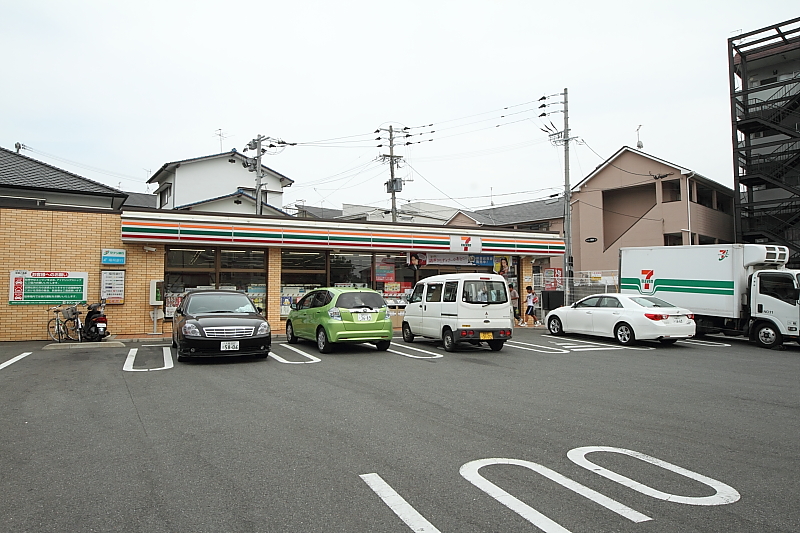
x: 21, y: 172
x: 140, y: 199
x: 519, y: 213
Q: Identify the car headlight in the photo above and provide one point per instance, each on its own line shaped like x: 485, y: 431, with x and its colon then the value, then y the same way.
x: 190, y: 330
x: 263, y: 329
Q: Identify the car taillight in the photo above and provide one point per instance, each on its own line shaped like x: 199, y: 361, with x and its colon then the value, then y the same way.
x: 690, y: 316
x: 334, y: 313
x: 656, y: 316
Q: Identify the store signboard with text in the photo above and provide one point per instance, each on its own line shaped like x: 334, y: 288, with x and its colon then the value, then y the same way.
x: 45, y: 287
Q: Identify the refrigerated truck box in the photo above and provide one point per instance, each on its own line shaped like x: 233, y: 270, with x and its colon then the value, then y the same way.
x: 715, y: 283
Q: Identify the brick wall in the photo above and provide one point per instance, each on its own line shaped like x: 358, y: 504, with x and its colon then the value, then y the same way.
x: 73, y: 241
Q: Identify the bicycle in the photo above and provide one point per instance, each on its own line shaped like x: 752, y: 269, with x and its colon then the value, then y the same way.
x: 72, y: 322
x: 57, y: 328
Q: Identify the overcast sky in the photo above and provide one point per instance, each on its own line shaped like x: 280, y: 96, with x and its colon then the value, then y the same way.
x: 113, y: 90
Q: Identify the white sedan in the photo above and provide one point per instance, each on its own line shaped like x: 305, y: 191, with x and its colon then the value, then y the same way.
x: 625, y: 317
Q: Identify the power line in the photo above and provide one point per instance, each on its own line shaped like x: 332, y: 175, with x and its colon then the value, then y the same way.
x: 84, y: 166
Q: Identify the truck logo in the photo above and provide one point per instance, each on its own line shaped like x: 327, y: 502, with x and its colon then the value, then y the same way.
x: 647, y: 280
x: 723, y: 254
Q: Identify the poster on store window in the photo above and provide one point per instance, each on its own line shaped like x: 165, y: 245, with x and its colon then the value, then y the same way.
x: 502, y: 265
x: 553, y: 279
x: 384, y: 271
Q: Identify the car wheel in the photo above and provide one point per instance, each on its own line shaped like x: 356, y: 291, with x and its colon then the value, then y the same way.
x: 323, y: 344
x: 174, y: 344
x: 383, y: 345
x: 291, y: 338
x: 407, y: 335
x: 496, y: 346
x: 667, y: 342
x: 449, y: 341
x: 554, y: 326
x: 624, y: 334
x: 768, y: 336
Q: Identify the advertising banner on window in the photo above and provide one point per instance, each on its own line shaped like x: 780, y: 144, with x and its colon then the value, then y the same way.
x: 41, y: 287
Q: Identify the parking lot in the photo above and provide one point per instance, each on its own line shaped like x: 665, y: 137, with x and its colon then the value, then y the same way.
x: 550, y: 434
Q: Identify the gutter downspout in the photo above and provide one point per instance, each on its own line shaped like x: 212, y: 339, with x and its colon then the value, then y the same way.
x: 689, y: 206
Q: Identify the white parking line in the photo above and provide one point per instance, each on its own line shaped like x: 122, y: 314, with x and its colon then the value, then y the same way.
x: 304, y: 354
x: 527, y: 346
x: 128, y: 366
x: 398, y: 504
x: 580, y: 345
x: 407, y: 347
x: 698, y: 342
x: 15, y: 359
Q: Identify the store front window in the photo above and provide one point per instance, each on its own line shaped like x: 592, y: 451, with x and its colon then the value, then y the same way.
x: 214, y: 268
x: 351, y: 269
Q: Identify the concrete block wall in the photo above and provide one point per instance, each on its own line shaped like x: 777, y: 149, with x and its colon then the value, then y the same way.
x: 73, y: 241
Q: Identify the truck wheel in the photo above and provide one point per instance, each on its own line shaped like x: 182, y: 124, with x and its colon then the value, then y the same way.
x: 768, y: 336
x: 449, y: 341
x: 624, y: 334
x: 407, y: 335
x: 496, y: 346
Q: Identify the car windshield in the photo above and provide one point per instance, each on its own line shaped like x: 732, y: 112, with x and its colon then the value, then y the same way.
x: 219, y: 303
x: 485, y: 292
x: 360, y: 300
x: 650, y: 301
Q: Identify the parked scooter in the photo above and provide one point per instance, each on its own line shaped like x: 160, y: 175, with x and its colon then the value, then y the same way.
x: 95, y: 327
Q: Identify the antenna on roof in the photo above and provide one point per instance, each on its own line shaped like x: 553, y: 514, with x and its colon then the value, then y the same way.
x: 218, y: 132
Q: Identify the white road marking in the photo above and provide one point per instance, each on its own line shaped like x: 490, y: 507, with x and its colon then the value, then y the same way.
x: 470, y: 472
x: 128, y: 366
x: 725, y: 494
x: 14, y: 360
x: 304, y: 354
x: 535, y: 347
x: 398, y: 504
x: 698, y: 342
x: 407, y: 347
x: 576, y: 344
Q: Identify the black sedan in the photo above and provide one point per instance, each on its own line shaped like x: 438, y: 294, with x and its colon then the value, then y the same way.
x: 214, y: 323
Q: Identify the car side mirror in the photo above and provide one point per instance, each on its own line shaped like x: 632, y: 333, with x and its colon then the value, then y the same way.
x: 260, y: 310
x: 794, y: 294
x: 178, y: 312
x: 292, y: 305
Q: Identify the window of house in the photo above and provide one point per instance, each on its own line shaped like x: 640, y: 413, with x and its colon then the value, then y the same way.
x: 673, y: 239
x: 671, y: 191
x: 705, y: 196
x: 164, y: 196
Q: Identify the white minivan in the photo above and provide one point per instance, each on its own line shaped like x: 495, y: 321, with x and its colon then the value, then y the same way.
x: 457, y: 308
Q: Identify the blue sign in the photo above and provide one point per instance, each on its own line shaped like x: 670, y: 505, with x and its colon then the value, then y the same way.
x: 483, y: 260
x: 112, y: 256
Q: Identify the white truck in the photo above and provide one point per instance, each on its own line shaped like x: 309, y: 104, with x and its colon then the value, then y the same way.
x: 735, y: 289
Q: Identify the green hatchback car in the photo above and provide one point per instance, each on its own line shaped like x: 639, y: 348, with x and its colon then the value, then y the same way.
x: 340, y: 315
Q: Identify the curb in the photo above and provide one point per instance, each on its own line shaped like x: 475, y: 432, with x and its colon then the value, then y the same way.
x: 82, y: 345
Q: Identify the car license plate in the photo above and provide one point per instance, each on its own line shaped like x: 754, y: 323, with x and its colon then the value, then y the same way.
x: 486, y: 335
x: 677, y: 320
x: 364, y: 317
x: 227, y: 346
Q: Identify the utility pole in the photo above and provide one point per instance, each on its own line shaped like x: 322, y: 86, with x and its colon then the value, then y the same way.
x: 559, y: 137
x: 393, y: 185
x: 567, y: 210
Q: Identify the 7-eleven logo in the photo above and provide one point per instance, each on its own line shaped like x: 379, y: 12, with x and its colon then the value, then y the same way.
x: 466, y: 243
x: 647, y: 280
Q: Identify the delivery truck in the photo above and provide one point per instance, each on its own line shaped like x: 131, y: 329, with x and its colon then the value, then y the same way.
x: 734, y: 289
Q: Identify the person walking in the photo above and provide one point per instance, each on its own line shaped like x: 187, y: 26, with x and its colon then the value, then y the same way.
x: 514, y: 296
x: 529, y: 306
